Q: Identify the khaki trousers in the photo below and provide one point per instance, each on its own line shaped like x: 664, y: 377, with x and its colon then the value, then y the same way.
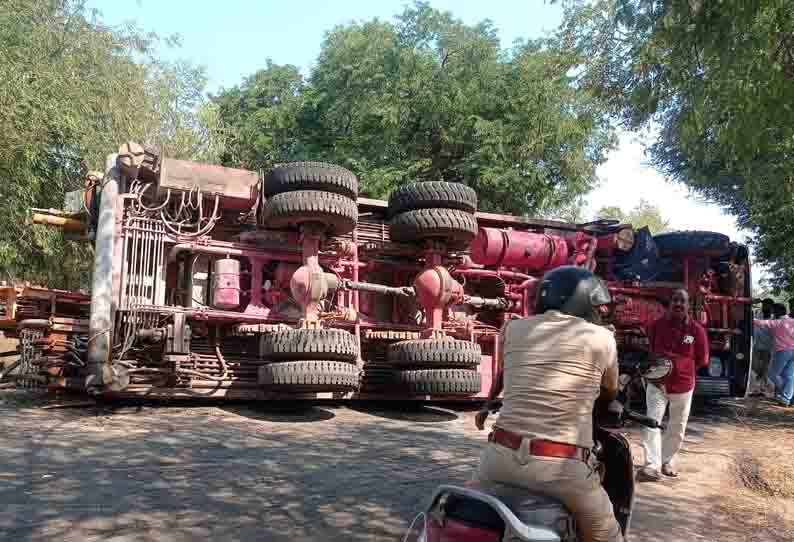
x: 574, y: 483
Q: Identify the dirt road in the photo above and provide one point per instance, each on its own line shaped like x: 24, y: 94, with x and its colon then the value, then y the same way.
x: 324, y: 473
x: 712, y: 499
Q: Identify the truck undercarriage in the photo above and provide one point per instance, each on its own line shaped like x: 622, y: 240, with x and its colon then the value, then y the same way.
x: 218, y: 282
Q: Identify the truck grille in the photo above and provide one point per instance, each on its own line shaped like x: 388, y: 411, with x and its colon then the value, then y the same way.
x: 713, y: 387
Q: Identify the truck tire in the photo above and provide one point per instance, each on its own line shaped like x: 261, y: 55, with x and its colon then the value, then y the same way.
x: 310, y: 176
x: 310, y: 375
x: 453, y: 226
x: 338, y: 213
x: 308, y: 344
x: 434, y: 353
x: 440, y: 381
x: 706, y: 243
x: 432, y: 194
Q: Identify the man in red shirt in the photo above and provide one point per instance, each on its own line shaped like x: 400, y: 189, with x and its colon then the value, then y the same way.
x: 679, y: 337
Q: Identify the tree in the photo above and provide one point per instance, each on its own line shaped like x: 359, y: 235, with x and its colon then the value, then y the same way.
x: 764, y: 290
x: 263, y: 117
x: 644, y: 214
x: 428, y: 97
x: 610, y: 212
x: 70, y: 91
x: 571, y: 212
x: 67, y: 89
x: 717, y: 80
x: 183, y: 124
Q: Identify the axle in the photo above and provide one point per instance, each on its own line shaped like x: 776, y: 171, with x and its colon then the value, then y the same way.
x: 405, y: 291
x: 495, y: 303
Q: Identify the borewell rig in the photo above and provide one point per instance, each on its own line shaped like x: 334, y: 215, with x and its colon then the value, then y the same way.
x: 218, y: 282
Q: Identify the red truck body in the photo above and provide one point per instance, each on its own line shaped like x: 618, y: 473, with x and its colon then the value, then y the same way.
x: 216, y: 282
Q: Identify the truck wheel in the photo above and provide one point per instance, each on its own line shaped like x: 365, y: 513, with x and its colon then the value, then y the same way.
x: 451, y: 225
x: 307, y: 344
x: 310, y: 376
x: 441, y: 381
x: 310, y: 176
x: 435, y: 353
x: 432, y: 194
x: 705, y: 243
x: 338, y: 213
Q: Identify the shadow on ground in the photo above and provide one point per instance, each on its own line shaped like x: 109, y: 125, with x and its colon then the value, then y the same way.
x: 410, y: 412
x: 756, y: 413
x: 289, y: 414
x: 241, y: 472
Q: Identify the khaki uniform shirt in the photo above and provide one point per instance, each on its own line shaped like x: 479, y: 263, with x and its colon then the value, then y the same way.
x: 554, y: 365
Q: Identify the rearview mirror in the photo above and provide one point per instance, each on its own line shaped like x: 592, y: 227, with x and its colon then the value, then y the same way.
x: 660, y: 368
x: 623, y: 380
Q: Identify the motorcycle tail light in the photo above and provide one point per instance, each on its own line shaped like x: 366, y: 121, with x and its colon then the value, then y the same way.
x: 453, y: 530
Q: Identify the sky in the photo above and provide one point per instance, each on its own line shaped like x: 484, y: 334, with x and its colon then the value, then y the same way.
x: 234, y: 38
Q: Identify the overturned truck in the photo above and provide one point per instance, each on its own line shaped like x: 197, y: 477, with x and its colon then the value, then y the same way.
x: 219, y: 282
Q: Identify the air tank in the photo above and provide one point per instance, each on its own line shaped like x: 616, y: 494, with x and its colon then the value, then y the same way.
x: 226, y: 284
x: 514, y: 248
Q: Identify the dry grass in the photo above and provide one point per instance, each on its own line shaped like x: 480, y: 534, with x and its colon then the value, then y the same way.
x: 769, y: 469
x: 759, y: 519
x: 760, y: 438
x: 763, y: 437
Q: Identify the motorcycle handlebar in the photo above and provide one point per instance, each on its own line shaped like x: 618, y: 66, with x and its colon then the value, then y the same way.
x: 644, y: 420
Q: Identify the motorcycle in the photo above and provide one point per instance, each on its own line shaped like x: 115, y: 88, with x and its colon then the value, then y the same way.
x: 502, y: 513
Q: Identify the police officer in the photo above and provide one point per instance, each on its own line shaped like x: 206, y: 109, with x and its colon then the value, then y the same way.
x: 554, y: 365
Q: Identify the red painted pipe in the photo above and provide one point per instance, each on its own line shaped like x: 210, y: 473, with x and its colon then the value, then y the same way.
x: 716, y: 297
x: 495, y: 274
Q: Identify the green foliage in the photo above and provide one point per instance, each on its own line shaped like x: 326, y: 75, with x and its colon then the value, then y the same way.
x: 262, y: 117
x: 571, y: 211
x: 71, y: 90
x: 717, y: 80
x: 764, y: 290
x: 644, y: 214
x: 182, y: 123
x: 428, y: 98
x: 65, y: 87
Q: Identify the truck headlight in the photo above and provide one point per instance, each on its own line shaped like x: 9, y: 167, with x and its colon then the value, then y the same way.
x: 715, y: 367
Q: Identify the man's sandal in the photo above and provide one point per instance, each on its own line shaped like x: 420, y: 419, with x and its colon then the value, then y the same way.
x: 648, y: 474
x: 668, y: 470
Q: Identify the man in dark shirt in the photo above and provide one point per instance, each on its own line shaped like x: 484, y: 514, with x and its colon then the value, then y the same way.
x: 679, y: 337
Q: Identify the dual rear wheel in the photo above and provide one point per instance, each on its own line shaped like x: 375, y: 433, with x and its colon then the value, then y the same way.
x: 436, y: 366
x: 325, y: 359
x: 316, y: 193
x: 433, y: 210
x: 310, y: 360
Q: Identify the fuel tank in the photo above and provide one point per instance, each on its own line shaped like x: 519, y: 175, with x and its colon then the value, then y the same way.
x: 514, y: 248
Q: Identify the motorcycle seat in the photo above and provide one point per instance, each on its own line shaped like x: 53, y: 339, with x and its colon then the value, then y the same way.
x: 533, y: 509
